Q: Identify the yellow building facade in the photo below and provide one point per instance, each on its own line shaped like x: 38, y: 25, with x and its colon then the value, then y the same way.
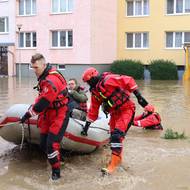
x: 153, y: 29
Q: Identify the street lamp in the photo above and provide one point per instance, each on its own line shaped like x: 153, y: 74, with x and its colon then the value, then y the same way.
x: 19, y: 26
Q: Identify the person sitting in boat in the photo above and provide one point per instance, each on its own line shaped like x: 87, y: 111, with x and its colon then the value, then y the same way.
x: 77, y: 100
x: 51, y: 108
x: 113, y: 91
x: 149, y: 119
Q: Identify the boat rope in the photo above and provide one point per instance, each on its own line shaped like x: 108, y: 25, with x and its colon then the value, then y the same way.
x: 29, y: 135
x: 23, y: 135
x: 22, y: 140
x: 107, y: 130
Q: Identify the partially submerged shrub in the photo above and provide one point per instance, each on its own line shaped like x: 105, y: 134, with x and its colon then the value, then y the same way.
x: 170, y: 134
x: 128, y: 67
x: 163, y: 70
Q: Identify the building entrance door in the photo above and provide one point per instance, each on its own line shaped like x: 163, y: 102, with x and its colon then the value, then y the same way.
x: 3, y: 60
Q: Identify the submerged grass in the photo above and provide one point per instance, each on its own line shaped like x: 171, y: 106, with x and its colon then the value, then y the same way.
x: 170, y: 134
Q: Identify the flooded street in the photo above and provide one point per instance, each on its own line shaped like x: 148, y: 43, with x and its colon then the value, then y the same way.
x: 150, y: 162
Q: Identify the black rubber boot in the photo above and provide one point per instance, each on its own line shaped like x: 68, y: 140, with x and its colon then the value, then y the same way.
x: 55, y: 174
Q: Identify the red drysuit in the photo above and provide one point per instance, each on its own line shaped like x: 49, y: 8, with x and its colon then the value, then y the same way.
x: 51, y: 108
x: 148, y: 121
x: 113, y: 91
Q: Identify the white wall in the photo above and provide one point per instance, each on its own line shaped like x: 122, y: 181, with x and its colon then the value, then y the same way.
x: 7, y: 9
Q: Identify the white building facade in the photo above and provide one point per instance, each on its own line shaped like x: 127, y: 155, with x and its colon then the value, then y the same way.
x: 7, y: 37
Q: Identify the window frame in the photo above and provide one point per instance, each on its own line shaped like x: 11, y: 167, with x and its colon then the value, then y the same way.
x: 32, y: 12
x: 174, y: 39
x: 59, y: 7
x: 174, y: 8
x: 59, y: 40
x: 134, y: 42
x: 30, y: 67
x: 134, y: 8
x: 59, y: 67
x: 6, y: 24
x: 24, y: 40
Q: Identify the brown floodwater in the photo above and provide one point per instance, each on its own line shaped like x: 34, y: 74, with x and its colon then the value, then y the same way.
x: 150, y: 162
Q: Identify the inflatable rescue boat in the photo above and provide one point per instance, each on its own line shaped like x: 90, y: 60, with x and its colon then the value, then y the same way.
x: 13, y: 131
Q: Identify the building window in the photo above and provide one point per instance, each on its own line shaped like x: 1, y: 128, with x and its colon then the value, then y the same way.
x: 62, y: 38
x: 61, y: 67
x: 62, y: 6
x: 178, y: 6
x: 27, y: 40
x: 137, y: 7
x: 4, y: 24
x: 137, y: 40
x: 177, y: 39
x: 27, y: 7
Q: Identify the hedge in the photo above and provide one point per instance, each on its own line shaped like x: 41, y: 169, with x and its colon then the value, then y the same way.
x: 163, y: 70
x: 128, y: 67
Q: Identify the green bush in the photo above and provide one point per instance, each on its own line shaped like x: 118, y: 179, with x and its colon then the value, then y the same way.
x: 163, y: 70
x: 128, y: 67
x: 170, y: 134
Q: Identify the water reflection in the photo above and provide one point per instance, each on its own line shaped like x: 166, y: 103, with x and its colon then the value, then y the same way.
x: 14, y: 91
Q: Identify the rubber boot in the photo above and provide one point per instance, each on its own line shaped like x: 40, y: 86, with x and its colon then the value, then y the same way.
x: 55, y: 174
x: 114, y: 163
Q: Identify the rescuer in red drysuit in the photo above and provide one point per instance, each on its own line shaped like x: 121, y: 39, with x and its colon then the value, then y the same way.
x: 51, y: 108
x: 112, y: 91
x: 148, y: 119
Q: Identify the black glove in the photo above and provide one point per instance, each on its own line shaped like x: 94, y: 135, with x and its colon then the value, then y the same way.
x: 85, y: 129
x: 26, y: 116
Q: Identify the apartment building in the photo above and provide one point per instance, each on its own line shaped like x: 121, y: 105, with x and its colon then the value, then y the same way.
x: 7, y: 37
x: 149, y: 30
x: 71, y: 34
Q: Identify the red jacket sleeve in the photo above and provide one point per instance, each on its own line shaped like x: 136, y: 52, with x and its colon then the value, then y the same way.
x: 93, y: 111
x: 49, y: 92
x: 131, y: 84
x: 138, y: 117
x: 125, y: 82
